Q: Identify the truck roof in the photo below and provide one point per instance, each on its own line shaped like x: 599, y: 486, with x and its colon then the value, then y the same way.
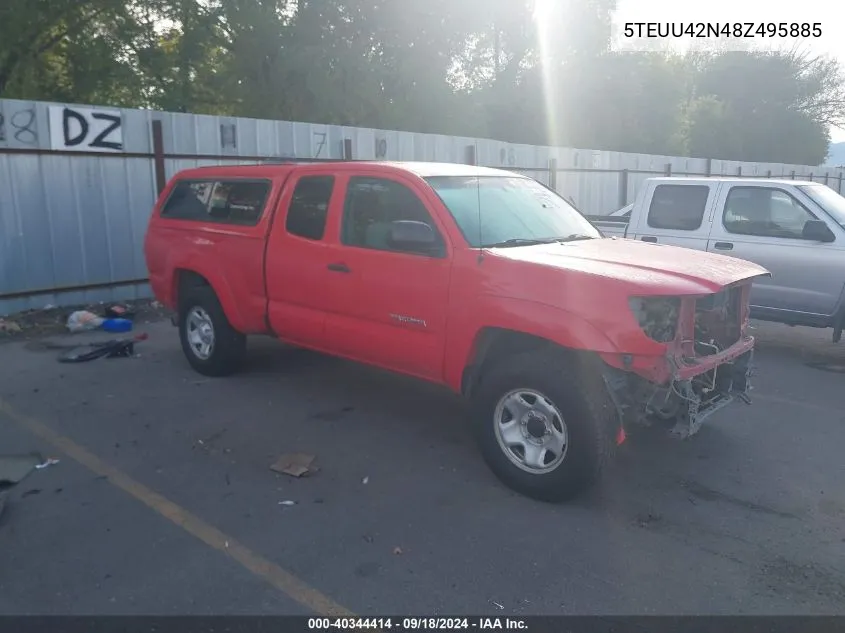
x: 744, y: 179
x: 421, y: 169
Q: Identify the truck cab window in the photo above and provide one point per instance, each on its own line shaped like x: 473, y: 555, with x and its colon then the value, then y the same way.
x: 372, y: 204
x: 678, y: 207
x: 309, y: 207
x: 764, y: 212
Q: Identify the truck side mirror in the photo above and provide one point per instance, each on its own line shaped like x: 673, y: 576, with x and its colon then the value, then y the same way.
x: 416, y: 237
x: 817, y: 231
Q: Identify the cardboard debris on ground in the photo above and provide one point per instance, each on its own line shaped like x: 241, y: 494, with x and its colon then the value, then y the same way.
x: 13, y: 468
x: 294, y: 464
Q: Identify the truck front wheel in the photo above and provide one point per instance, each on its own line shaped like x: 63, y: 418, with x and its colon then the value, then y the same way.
x: 210, y: 343
x: 544, y: 424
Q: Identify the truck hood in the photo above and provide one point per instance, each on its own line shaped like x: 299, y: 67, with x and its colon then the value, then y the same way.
x: 653, y: 267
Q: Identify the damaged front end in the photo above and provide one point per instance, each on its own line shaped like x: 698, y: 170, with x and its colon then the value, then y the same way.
x: 705, y: 364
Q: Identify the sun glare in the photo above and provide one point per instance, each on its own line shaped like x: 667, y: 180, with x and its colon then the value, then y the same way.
x: 542, y: 10
x: 542, y: 15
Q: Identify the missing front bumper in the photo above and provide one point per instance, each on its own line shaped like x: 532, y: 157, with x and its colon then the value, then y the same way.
x: 685, y: 402
x: 726, y: 383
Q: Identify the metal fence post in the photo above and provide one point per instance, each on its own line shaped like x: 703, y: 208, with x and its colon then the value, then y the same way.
x: 739, y: 171
x: 347, y: 149
x: 553, y: 174
x: 792, y: 175
x: 826, y: 178
x: 668, y: 170
x: 158, y: 156
x: 709, y: 169
x: 839, y: 187
x: 470, y: 155
x: 812, y: 179
x: 623, y: 188
x: 769, y: 174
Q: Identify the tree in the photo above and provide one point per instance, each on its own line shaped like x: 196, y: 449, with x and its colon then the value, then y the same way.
x: 767, y: 107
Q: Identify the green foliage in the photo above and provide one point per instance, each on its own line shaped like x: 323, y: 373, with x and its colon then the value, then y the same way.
x: 530, y: 71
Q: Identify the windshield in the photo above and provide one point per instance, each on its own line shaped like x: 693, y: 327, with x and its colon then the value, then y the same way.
x: 828, y: 200
x: 514, y: 211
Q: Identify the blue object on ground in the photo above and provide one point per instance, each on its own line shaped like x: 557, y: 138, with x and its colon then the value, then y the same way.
x: 117, y: 325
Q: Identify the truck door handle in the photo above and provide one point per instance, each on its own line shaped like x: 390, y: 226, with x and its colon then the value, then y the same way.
x: 648, y: 238
x: 339, y: 267
x: 723, y: 246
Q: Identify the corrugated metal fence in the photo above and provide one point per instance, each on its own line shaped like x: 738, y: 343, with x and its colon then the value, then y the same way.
x: 77, y: 183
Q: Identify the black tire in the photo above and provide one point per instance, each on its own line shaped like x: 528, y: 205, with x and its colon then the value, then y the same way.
x: 574, y: 385
x: 229, y: 345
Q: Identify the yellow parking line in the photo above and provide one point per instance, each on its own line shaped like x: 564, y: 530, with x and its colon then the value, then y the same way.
x: 281, y: 579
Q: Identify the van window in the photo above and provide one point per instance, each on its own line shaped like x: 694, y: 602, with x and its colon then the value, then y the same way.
x: 309, y: 207
x: 678, y: 207
x: 225, y: 201
x: 766, y: 212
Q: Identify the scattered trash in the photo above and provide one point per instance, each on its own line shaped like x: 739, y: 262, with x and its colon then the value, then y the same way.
x: 13, y: 468
x: 10, y: 327
x: 49, y: 306
x: 226, y: 544
x: 294, y: 464
x: 117, y: 325
x: 83, y: 320
x: 49, y: 462
x: 397, y: 551
x: 365, y: 480
x: 118, y: 311
x: 500, y: 606
x: 30, y: 492
x: 368, y: 538
x: 287, y: 503
x: 114, y: 348
x: 207, y: 442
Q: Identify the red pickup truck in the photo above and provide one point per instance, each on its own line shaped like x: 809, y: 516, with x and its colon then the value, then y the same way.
x: 482, y: 280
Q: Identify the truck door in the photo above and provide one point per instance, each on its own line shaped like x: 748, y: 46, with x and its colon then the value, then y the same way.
x: 763, y: 223
x: 388, y: 306
x: 297, y: 256
x: 676, y: 213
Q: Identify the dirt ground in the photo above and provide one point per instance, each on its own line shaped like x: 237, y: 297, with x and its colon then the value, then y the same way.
x: 163, y: 501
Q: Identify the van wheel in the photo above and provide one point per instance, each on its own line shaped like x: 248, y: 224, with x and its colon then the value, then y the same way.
x: 210, y: 343
x: 544, y: 424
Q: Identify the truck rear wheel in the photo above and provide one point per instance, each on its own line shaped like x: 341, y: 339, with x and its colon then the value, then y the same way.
x: 544, y: 424
x: 210, y: 343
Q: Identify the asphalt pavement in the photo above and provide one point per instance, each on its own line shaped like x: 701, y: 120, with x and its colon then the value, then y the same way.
x: 163, y: 501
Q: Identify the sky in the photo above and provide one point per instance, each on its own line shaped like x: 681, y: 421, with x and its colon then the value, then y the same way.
x: 823, y: 12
